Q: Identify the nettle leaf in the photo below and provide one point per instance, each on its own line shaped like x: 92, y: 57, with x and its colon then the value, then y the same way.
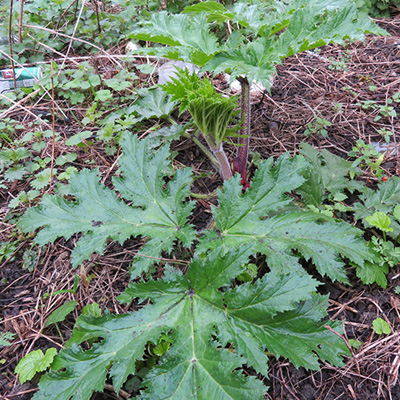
x: 384, y: 200
x: 327, y: 174
x: 99, y: 214
x: 381, y: 326
x: 17, y: 172
x: 375, y: 272
x: 380, y: 220
x: 213, y: 334
x: 261, y: 217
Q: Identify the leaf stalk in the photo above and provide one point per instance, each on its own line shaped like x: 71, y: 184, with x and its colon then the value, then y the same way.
x: 244, y: 139
x: 219, y: 153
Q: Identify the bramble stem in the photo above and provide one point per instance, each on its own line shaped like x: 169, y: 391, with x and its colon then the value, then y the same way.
x: 243, y: 149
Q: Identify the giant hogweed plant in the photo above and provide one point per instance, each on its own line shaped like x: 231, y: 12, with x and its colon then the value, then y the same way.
x: 216, y: 325
x: 248, y: 41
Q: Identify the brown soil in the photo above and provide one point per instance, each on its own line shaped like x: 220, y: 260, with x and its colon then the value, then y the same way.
x: 305, y: 86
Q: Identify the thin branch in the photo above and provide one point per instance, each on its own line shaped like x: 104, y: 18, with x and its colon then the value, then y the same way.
x: 21, y: 13
x: 72, y: 38
x: 10, y: 39
x: 53, y: 144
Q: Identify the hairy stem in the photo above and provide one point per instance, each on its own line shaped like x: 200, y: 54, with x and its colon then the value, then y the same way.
x: 225, y: 169
x: 243, y: 149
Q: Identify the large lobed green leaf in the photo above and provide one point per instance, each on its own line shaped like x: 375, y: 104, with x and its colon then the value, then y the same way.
x: 190, y: 34
x: 262, y: 216
x: 278, y: 313
x: 99, y: 214
x: 265, y: 34
x: 301, y: 26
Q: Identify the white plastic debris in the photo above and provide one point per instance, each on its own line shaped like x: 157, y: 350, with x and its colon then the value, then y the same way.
x: 389, y: 148
x: 316, y: 55
x: 256, y: 88
x: 168, y: 70
x: 130, y: 47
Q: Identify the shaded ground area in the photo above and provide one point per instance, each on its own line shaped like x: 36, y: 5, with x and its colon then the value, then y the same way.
x: 331, y: 84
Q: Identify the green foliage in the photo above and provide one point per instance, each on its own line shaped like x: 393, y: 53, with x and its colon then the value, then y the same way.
x: 381, y: 326
x: 278, y: 313
x: 258, y: 216
x: 380, y: 220
x: 386, y: 134
x: 327, y: 178
x: 10, y: 162
x: 189, y: 36
x: 145, y: 103
x: 34, y: 362
x: 366, y: 155
x: 205, y: 311
x: 99, y: 24
x: 379, y: 208
x: 265, y: 34
x: 318, y: 127
x: 384, y: 200
x: 8, y: 129
x: 97, y: 212
x: 211, y: 111
x: 198, y: 330
x: 383, y: 110
x: 7, y: 251
x: 5, y: 338
x: 378, y: 8
x: 187, y: 87
x: 355, y: 344
x: 60, y: 313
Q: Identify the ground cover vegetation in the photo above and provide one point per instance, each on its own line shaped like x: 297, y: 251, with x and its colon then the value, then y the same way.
x: 226, y: 259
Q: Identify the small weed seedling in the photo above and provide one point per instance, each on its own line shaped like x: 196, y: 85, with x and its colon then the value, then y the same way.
x: 386, y: 134
x: 366, y: 155
x: 318, y: 126
x: 380, y: 326
x: 341, y: 62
